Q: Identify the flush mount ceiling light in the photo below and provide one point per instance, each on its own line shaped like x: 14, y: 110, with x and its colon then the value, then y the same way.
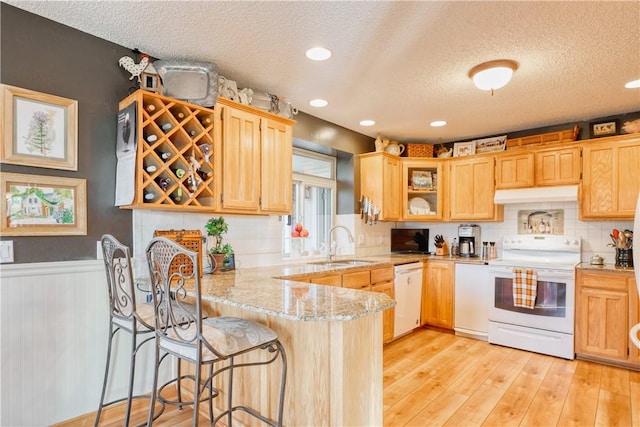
x: 318, y: 53
x: 367, y: 123
x: 438, y: 123
x: 633, y: 84
x: 493, y: 75
x: 318, y: 103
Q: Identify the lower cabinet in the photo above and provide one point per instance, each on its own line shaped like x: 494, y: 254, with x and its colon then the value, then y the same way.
x: 437, y: 294
x: 376, y: 280
x: 382, y: 281
x: 606, y: 308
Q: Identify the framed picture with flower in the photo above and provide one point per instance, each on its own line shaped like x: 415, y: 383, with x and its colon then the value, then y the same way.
x: 39, y: 130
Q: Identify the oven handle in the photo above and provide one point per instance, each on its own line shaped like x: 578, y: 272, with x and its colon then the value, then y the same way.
x: 555, y: 274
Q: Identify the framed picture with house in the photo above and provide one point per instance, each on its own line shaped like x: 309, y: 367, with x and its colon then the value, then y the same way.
x: 38, y: 205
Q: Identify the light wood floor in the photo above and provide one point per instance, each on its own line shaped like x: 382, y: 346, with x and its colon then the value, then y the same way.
x: 432, y: 378
x: 437, y: 379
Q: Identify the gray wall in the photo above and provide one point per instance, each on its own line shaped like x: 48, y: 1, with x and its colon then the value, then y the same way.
x: 45, y: 56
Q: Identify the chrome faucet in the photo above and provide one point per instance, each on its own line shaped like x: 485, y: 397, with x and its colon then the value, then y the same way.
x: 332, y: 249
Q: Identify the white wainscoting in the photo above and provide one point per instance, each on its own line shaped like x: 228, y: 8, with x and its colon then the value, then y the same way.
x: 53, y: 341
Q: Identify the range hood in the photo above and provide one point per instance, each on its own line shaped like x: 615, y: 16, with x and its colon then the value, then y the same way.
x: 564, y: 193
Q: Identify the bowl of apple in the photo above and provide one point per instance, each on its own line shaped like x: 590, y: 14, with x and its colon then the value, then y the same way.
x: 299, y: 231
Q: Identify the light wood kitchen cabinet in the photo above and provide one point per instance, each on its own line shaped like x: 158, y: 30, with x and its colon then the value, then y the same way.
x: 256, y: 154
x: 437, y: 294
x: 334, y: 279
x: 382, y: 281
x: 538, y: 168
x: 422, y: 190
x: 471, y: 190
x: 357, y: 280
x: 606, y: 308
x: 515, y: 170
x: 171, y: 136
x: 380, y: 176
x: 557, y: 166
x: 610, y: 181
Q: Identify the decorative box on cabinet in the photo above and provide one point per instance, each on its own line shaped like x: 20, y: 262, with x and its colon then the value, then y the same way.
x: 380, y: 182
x: 422, y: 190
x: 610, y: 180
x: 471, y: 189
x: 606, y: 308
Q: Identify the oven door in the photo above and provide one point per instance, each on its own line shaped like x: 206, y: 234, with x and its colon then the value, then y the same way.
x: 554, y: 306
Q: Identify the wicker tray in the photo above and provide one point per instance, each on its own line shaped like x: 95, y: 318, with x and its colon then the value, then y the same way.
x: 189, y: 239
x: 568, y: 135
x: 420, y: 150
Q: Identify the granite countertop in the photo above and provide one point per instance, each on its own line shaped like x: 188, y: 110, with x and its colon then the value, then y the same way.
x: 604, y: 267
x: 273, y: 290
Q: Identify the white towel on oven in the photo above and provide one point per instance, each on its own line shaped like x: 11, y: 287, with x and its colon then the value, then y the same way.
x: 525, y: 288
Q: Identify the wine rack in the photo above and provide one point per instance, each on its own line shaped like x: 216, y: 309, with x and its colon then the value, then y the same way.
x: 175, y: 154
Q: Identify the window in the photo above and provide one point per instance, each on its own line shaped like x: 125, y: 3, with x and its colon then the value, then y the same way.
x: 314, y: 201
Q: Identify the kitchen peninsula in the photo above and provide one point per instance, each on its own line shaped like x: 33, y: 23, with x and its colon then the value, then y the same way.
x: 332, y: 337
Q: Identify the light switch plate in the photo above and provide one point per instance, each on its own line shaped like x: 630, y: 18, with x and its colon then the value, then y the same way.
x: 6, y: 251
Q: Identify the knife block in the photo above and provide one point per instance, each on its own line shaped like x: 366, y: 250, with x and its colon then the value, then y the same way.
x: 442, y: 250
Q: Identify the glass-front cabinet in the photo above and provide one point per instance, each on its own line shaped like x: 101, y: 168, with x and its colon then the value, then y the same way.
x: 422, y: 189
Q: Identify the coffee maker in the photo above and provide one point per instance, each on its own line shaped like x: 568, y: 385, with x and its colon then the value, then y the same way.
x: 469, y: 239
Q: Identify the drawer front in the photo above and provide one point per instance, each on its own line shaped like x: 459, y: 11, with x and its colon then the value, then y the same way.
x: 379, y: 275
x: 332, y: 280
x: 356, y: 280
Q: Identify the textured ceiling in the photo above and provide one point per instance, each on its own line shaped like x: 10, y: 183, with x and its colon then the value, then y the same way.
x: 402, y: 64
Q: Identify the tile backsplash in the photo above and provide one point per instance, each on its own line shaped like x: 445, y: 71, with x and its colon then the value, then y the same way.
x: 257, y: 240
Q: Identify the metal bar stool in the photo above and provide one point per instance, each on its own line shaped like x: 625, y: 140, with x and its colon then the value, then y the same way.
x: 124, y: 315
x: 203, y: 342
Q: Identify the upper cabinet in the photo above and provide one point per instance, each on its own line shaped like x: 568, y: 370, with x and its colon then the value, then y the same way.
x: 256, y: 154
x: 546, y: 167
x: 610, y: 181
x: 174, y: 154
x: 233, y: 158
x: 422, y: 190
x: 471, y: 189
x: 380, y: 176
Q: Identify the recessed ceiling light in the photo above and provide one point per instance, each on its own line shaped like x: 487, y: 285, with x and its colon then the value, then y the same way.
x: 367, y: 123
x: 633, y: 84
x: 318, y: 53
x: 438, y: 123
x: 318, y: 103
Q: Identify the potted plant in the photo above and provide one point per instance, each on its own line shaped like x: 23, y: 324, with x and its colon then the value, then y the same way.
x: 216, y: 227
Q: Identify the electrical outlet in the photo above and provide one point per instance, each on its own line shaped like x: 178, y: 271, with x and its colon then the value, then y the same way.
x: 6, y: 251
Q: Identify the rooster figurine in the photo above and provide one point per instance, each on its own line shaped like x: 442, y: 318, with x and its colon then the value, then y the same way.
x: 135, y: 69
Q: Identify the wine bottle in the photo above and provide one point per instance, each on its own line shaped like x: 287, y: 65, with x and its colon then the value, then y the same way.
x: 166, y: 127
x: 179, y: 172
x: 206, y: 121
x: 177, y: 196
x: 151, y: 168
x: 180, y: 115
x: 152, y: 138
x: 149, y: 196
x: 163, y: 183
x: 164, y: 155
x: 204, y: 175
x: 151, y: 108
x: 192, y: 132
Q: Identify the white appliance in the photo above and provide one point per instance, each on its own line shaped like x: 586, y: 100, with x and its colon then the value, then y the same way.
x: 407, y: 288
x: 634, y: 333
x: 546, y: 328
x: 471, y: 317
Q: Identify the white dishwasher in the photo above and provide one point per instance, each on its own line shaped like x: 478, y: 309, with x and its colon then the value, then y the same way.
x: 407, y: 288
x: 471, y: 314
